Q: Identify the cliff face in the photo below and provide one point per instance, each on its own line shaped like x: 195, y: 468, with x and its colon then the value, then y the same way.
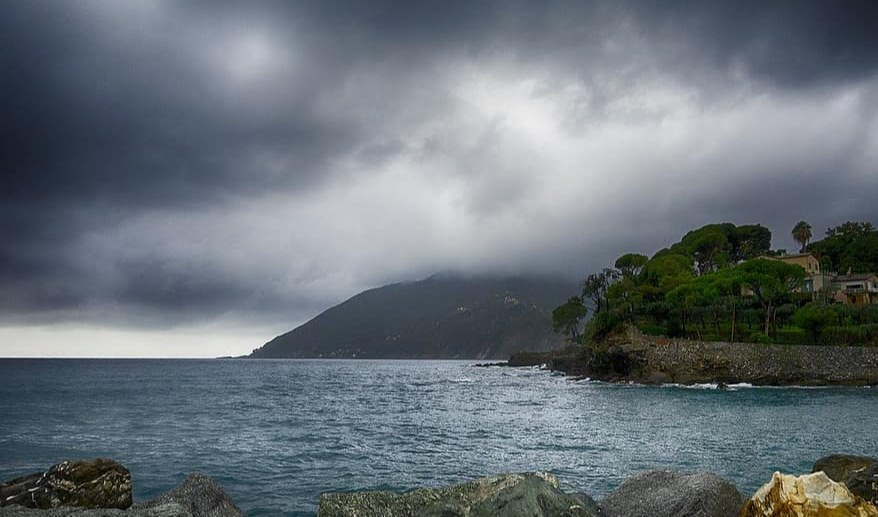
x: 648, y: 359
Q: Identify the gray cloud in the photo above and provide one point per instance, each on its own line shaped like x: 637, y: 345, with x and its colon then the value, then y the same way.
x: 165, y: 164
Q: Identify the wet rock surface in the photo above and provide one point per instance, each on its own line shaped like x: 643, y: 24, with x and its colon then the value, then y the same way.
x: 810, y: 495
x: 200, y: 496
x: 673, y: 494
x: 531, y: 494
x: 839, y: 466
x: 864, y: 483
x: 102, y: 488
x: 97, y: 483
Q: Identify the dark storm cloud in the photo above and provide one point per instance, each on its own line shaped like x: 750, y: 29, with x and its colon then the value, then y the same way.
x: 165, y: 162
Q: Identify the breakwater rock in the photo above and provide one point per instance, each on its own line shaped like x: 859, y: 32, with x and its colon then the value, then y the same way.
x: 531, y: 494
x: 102, y: 488
x: 98, y: 483
x: 673, y: 494
x: 632, y: 356
x: 858, y: 473
x: 810, y: 495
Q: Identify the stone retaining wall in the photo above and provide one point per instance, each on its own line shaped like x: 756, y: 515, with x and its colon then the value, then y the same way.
x: 655, y: 359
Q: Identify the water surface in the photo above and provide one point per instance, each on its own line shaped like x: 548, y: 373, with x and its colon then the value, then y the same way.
x: 277, y: 433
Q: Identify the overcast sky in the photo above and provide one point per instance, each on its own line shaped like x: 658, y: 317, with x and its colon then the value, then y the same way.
x: 193, y: 178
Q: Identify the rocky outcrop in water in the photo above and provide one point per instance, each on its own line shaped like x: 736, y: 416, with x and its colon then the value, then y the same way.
x: 98, y: 483
x: 531, y: 494
x: 673, y: 494
x: 102, y: 488
x: 810, y: 495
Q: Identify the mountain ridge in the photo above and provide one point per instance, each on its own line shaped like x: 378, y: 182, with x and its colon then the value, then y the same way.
x: 444, y: 316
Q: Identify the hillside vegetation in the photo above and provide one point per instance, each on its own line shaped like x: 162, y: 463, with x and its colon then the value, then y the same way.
x: 712, y: 285
x: 444, y: 316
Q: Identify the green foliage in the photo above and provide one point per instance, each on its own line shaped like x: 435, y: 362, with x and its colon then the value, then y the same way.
x: 567, y: 317
x: 713, y: 285
x: 813, y: 318
x: 849, y: 247
x: 602, y: 325
x: 595, y: 286
x: 715, y: 246
x: 802, y: 234
x: 759, y: 337
x: 653, y: 330
x: 630, y: 264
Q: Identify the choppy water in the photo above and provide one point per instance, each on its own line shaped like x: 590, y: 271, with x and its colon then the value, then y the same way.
x: 276, y: 434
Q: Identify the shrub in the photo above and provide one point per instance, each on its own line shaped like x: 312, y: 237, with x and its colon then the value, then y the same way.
x: 761, y: 337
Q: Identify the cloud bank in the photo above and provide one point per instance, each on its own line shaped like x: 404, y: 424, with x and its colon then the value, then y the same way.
x: 171, y: 166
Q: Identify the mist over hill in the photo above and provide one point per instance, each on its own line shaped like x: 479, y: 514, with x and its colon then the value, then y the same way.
x: 441, y: 317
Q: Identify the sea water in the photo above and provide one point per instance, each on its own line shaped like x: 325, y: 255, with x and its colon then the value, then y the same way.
x: 277, y: 433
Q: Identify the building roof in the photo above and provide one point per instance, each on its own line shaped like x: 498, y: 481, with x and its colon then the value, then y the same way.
x: 781, y: 257
x: 796, y: 255
x: 854, y: 278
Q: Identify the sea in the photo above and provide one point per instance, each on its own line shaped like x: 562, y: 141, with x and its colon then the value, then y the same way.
x: 278, y: 433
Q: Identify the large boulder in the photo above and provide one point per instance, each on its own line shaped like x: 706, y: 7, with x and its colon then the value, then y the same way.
x: 811, y: 495
x: 531, y: 494
x: 673, y: 494
x: 864, y: 483
x: 197, y: 496
x: 98, y: 483
x: 838, y: 467
x: 200, y: 496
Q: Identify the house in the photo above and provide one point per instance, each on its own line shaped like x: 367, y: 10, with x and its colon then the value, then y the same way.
x: 858, y: 289
x: 815, y: 281
x: 849, y: 289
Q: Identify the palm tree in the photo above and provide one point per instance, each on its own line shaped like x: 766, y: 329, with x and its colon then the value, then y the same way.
x: 802, y: 234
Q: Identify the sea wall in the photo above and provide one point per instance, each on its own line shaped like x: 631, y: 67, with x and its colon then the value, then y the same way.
x: 649, y: 359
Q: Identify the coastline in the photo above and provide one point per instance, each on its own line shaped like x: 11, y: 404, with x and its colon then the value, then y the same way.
x: 633, y: 357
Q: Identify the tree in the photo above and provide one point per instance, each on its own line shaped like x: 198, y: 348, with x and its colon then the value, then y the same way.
x: 813, y: 318
x: 851, y: 246
x: 770, y: 281
x: 566, y: 317
x: 630, y: 264
x: 595, y: 286
x: 802, y: 234
x: 750, y: 241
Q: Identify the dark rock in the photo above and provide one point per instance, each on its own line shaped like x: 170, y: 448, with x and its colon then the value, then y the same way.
x: 98, y: 483
x: 166, y: 510
x: 839, y: 466
x: 531, y: 494
x: 673, y: 494
x: 200, y: 496
x: 864, y: 482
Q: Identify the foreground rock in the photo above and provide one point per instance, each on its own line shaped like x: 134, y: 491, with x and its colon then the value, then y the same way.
x: 531, y: 494
x: 864, y: 483
x: 98, y: 483
x: 810, y: 495
x: 673, y: 494
x: 839, y: 466
x: 102, y: 488
x: 858, y: 473
x: 200, y: 496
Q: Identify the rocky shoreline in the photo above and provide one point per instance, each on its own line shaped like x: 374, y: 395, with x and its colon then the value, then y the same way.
x: 839, y: 485
x: 633, y: 357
